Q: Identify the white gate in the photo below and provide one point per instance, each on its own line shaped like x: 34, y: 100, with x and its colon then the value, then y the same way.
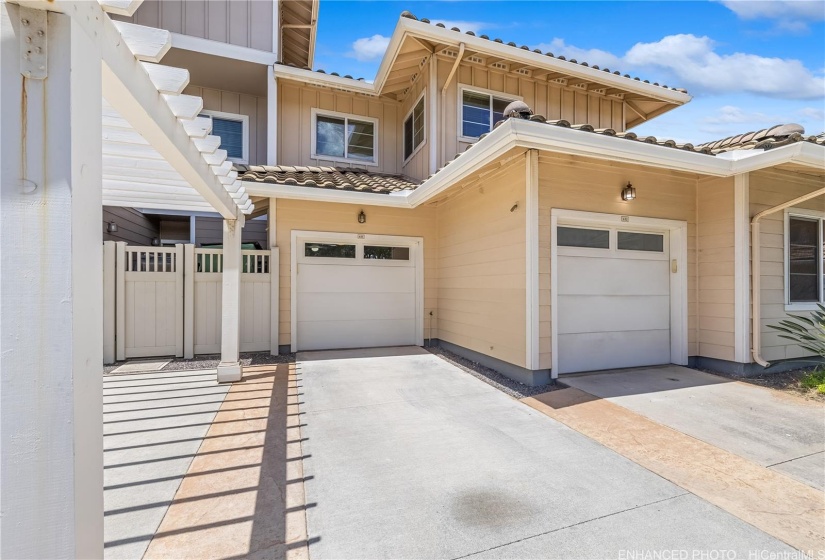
x: 166, y: 301
x: 256, y: 294
x: 149, y: 295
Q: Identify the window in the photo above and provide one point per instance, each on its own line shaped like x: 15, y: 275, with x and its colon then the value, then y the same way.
x: 387, y: 253
x: 329, y: 250
x: 414, y: 129
x: 234, y: 132
x: 480, y: 111
x: 631, y: 241
x: 806, y: 259
x: 580, y: 237
x: 340, y: 137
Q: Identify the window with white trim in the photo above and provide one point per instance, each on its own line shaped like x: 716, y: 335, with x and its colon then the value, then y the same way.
x: 480, y: 111
x: 234, y: 132
x: 805, y: 248
x: 347, y: 138
x: 414, y: 129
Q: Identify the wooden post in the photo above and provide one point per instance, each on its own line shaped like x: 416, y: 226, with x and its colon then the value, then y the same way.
x: 120, y: 300
x: 109, y: 302
x: 274, y: 277
x: 229, y: 368
x: 188, y: 301
x: 179, y: 300
x: 51, y: 301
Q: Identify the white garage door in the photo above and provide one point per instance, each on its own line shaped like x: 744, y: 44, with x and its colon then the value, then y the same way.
x: 356, y: 293
x: 613, y: 298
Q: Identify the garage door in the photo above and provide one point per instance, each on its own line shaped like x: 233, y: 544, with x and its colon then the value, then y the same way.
x: 613, y: 298
x: 356, y: 293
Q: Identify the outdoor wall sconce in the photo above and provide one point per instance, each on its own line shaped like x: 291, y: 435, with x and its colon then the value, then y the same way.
x: 111, y: 227
x: 629, y: 192
x: 155, y: 242
x: 362, y: 218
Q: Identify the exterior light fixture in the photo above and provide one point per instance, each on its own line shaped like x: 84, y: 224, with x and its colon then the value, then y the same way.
x: 362, y: 218
x: 629, y: 192
x: 155, y: 242
x: 111, y: 227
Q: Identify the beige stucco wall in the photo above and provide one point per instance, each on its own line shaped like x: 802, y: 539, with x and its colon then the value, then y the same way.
x: 769, y: 188
x: 574, y: 183
x: 343, y: 218
x: 716, y: 257
x: 246, y: 23
x: 240, y: 104
x: 481, y: 266
x: 295, y: 104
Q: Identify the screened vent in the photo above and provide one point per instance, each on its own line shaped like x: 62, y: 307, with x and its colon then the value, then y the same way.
x: 523, y: 72
x: 499, y: 66
x: 475, y: 59
x: 450, y: 53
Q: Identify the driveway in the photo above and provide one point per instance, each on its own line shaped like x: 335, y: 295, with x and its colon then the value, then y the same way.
x: 406, y: 456
x: 770, y: 428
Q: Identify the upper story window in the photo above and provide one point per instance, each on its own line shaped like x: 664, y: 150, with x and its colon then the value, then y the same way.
x: 480, y: 110
x: 234, y: 132
x: 414, y: 128
x: 346, y: 138
x: 806, y: 258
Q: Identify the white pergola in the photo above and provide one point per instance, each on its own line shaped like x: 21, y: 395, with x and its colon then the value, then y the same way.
x: 87, y: 117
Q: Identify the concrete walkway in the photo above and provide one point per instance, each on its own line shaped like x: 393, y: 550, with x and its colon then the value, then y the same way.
x: 406, y: 456
x: 153, y: 425
x: 768, y: 427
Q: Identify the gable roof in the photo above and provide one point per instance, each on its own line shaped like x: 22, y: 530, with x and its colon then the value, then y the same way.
x: 765, y: 139
x: 339, y: 178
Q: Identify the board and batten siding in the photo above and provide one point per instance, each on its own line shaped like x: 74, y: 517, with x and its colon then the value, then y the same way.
x: 246, y: 23
x: 481, y: 266
x: 210, y: 230
x: 574, y: 183
x: 133, y: 227
x: 343, y: 218
x: 239, y: 104
x: 418, y: 166
x: 552, y: 101
x: 716, y: 268
x: 295, y: 104
x: 767, y: 189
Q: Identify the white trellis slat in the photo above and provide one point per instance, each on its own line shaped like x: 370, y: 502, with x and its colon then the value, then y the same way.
x: 167, y: 79
x: 120, y: 7
x: 184, y: 106
x: 148, y: 44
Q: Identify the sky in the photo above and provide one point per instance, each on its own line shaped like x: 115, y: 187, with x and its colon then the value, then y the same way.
x: 749, y: 64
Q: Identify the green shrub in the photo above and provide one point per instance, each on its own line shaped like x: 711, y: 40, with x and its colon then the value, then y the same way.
x: 815, y: 380
x: 807, y: 332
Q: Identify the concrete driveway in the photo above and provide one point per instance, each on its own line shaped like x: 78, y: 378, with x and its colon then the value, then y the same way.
x: 770, y: 428
x: 406, y: 456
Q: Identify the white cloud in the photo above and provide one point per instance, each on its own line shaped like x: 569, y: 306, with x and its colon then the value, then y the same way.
x: 369, y: 48
x: 592, y: 56
x: 730, y: 114
x: 813, y: 114
x: 474, y: 26
x: 693, y: 61
x: 790, y: 15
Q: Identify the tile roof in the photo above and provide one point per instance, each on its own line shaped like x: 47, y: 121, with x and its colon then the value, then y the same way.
x: 409, y: 15
x: 340, y: 178
x: 765, y: 139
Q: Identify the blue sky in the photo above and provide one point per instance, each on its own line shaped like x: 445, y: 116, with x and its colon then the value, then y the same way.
x: 749, y: 64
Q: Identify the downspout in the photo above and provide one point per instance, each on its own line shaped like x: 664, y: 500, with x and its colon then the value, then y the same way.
x: 444, y: 100
x: 756, y: 278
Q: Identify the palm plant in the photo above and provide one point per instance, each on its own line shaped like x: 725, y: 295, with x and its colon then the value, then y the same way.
x: 807, y: 332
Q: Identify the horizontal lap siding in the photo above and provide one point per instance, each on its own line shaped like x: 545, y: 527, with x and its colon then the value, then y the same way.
x: 481, y: 266
x: 240, y: 104
x: 343, y: 218
x: 210, y: 230
x: 295, y: 104
x: 573, y: 183
x: 246, y: 23
x: 716, y: 269
x: 133, y: 227
x: 767, y: 189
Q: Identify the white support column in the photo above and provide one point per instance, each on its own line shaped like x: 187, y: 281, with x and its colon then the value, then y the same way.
x: 432, y: 127
x: 229, y: 369
x: 741, y: 270
x: 189, y: 300
x: 274, y: 277
x: 271, y: 116
x: 109, y: 302
x: 531, y: 219
x: 120, y: 300
x: 51, y: 304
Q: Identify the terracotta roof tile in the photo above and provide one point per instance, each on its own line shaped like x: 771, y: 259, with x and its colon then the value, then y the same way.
x: 765, y: 139
x: 340, y: 178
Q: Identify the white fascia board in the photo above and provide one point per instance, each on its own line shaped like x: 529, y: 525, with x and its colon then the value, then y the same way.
x: 387, y: 61
x: 396, y: 200
x: 322, y: 79
x: 802, y: 153
x: 477, y: 44
x: 225, y: 50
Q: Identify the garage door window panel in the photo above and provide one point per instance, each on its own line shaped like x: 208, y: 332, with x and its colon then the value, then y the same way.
x: 583, y: 238
x: 376, y: 252
x: 329, y: 250
x: 633, y: 241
